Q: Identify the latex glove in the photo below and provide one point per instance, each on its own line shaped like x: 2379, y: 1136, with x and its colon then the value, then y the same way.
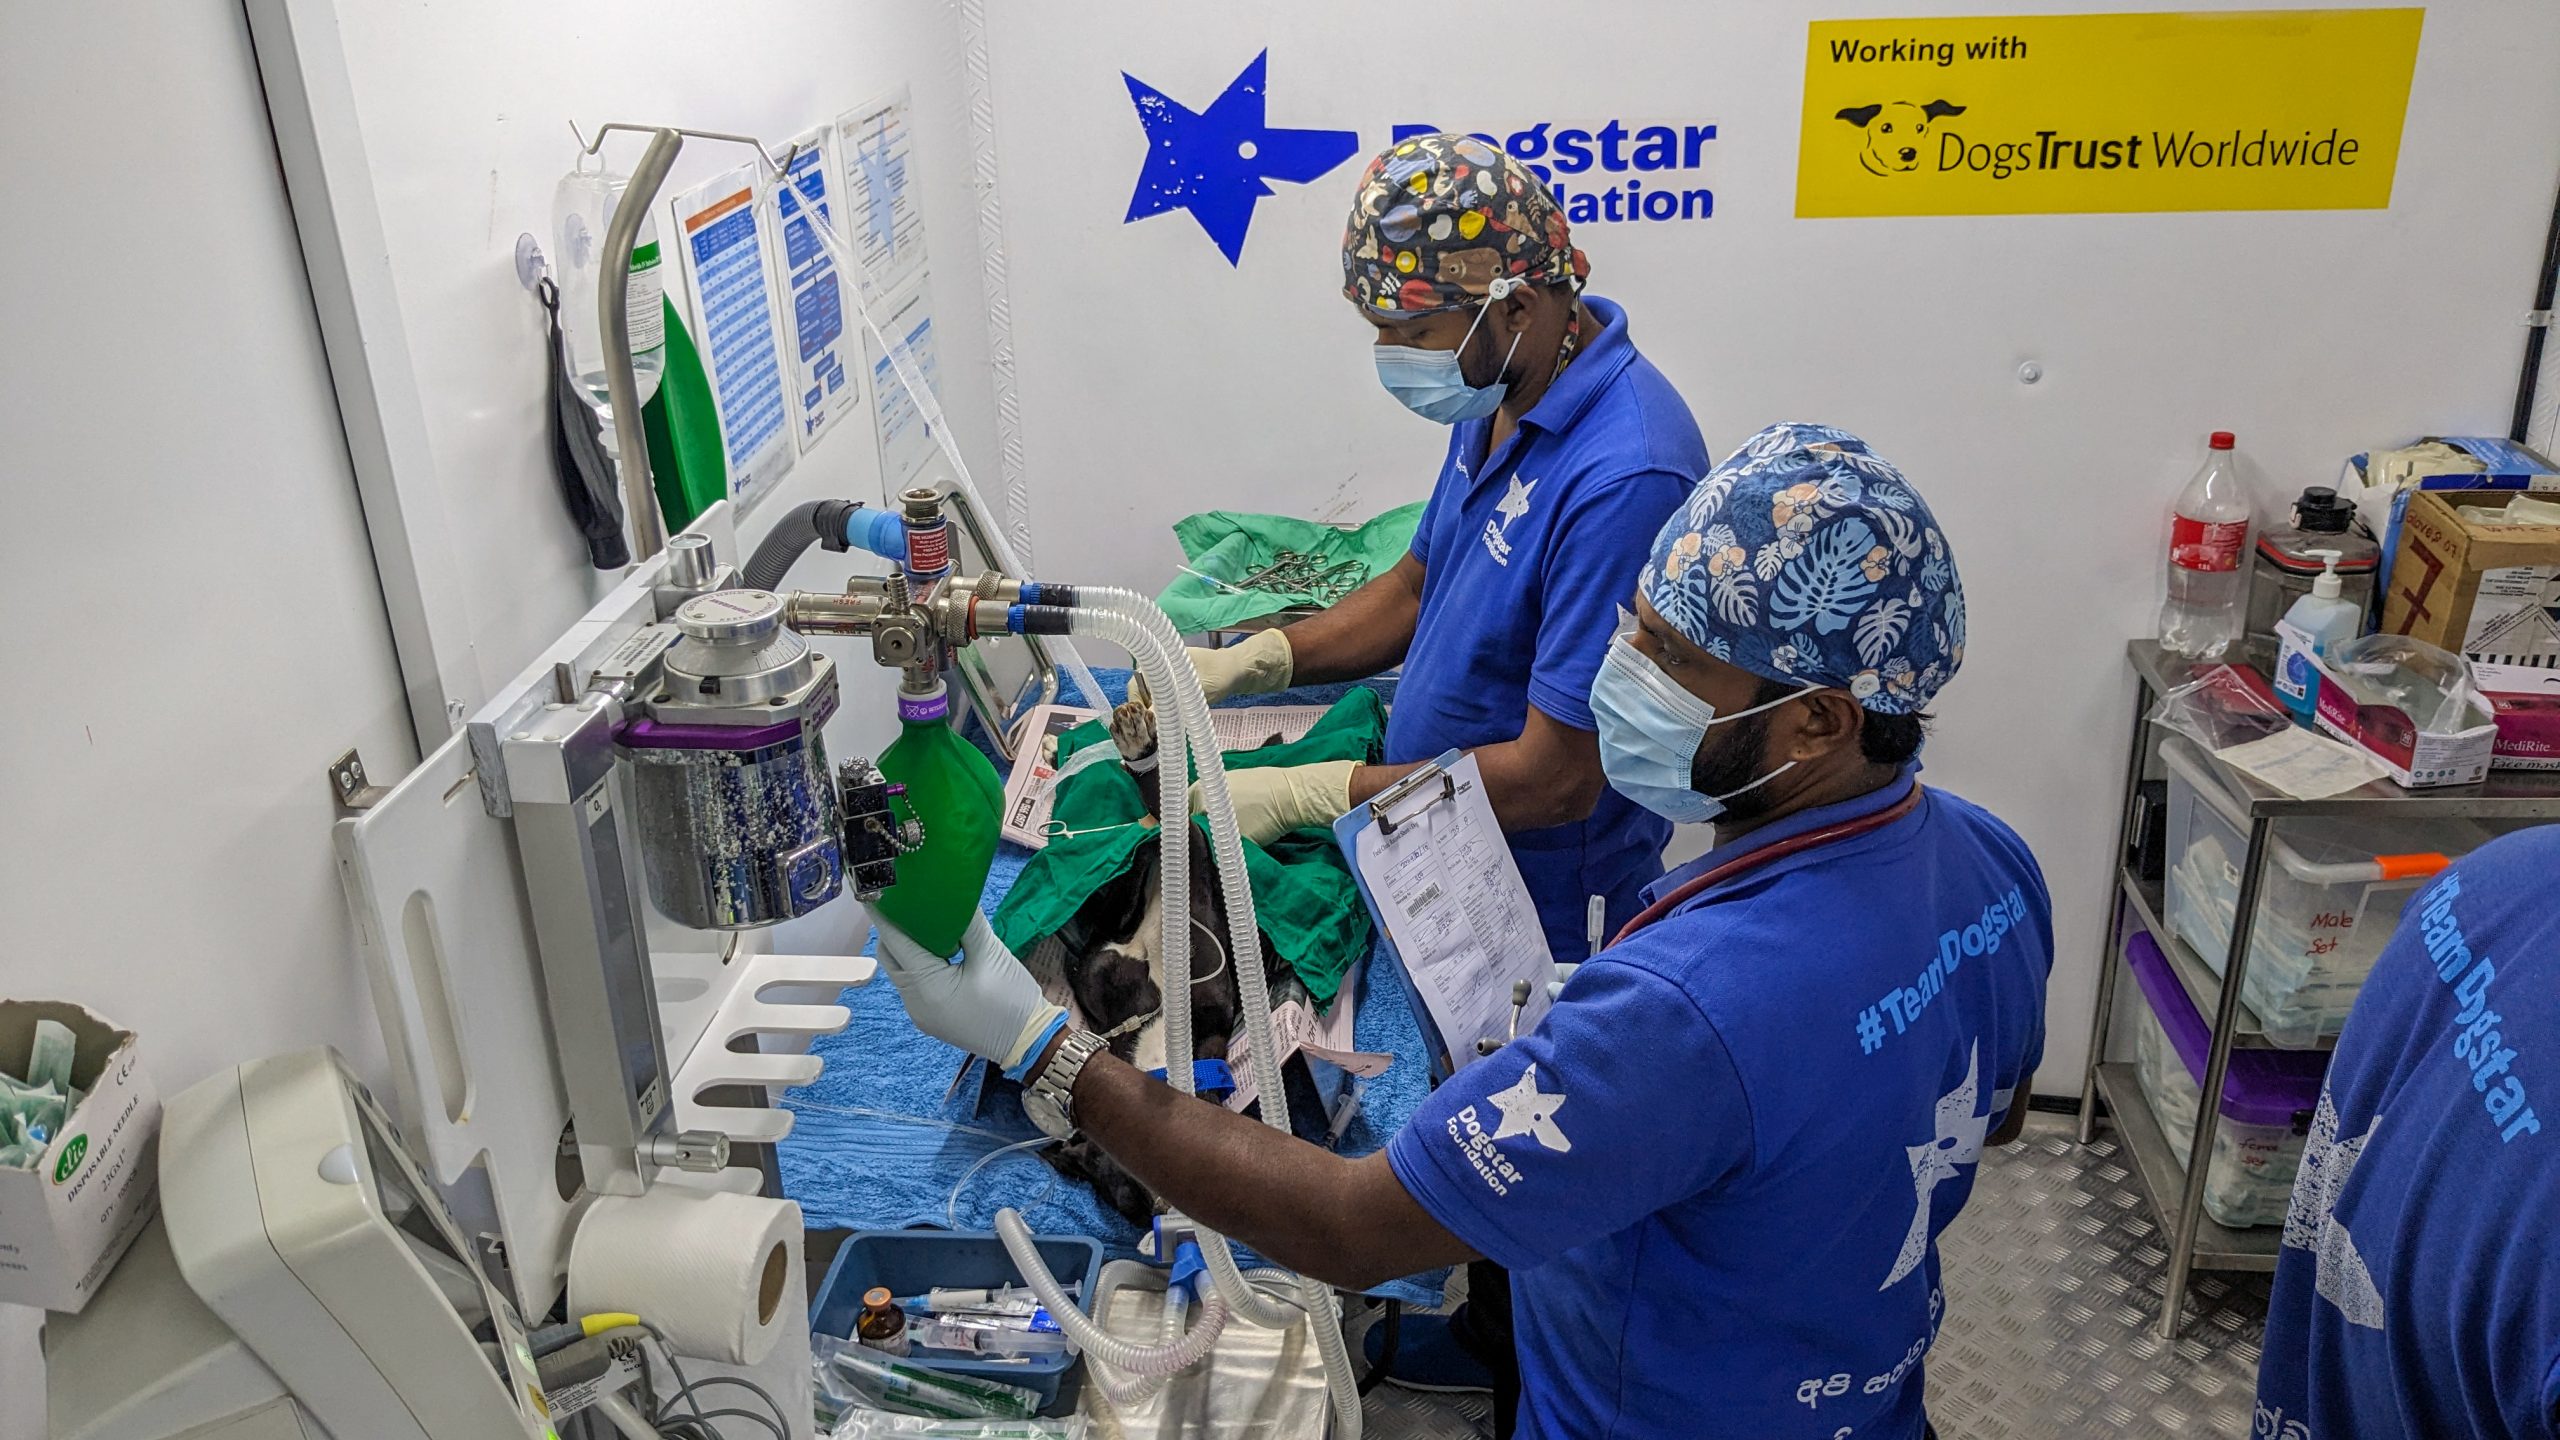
x: 1272, y: 800
x: 987, y: 1004
x: 1258, y: 666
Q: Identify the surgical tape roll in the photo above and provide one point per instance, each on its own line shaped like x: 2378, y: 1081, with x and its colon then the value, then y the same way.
x: 709, y: 1268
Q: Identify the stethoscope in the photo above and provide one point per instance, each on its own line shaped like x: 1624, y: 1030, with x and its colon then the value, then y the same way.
x: 1770, y: 854
x: 1689, y: 890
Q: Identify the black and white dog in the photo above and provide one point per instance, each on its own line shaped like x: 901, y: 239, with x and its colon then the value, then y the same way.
x: 1115, y: 969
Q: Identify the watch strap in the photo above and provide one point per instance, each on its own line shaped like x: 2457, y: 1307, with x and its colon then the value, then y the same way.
x: 1055, y: 1085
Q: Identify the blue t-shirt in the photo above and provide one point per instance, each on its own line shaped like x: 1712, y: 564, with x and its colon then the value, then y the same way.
x: 1719, y: 1167
x: 2418, y: 1291
x: 1527, y: 555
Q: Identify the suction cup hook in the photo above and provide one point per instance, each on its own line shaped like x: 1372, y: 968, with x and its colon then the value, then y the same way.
x: 530, y: 266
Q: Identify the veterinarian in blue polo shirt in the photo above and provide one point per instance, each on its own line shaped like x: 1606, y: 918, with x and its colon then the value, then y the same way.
x: 1566, y: 449
x: 1720, y: 1165
x: 2418, y: 1291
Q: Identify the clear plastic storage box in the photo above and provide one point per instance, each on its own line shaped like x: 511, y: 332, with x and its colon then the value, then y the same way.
x: 2332, y: 895
x: 2267, y: 1098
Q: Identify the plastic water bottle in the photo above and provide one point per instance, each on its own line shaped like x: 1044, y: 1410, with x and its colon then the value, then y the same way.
x: 2207, y: 601
x: 956, y: 793
x: 581, y: 209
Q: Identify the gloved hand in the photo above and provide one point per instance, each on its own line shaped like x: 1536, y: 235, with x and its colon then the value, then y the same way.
x: 1272, y: 800
x: 1258, y: 666
x: 987, y: 1004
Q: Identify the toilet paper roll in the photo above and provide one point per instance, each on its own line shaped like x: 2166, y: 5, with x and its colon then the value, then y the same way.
x: 708, y: 1268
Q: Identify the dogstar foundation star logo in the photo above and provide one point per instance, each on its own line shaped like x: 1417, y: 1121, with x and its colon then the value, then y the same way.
x: 2311, y: 1221
x: 1528, y: 1110
x: 1218, y: 163
x: 1958, y: 1143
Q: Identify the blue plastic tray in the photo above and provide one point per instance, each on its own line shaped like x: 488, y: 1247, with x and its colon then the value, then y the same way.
x: 910, y: 1262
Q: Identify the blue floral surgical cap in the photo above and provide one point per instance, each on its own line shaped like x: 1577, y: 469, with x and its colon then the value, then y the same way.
x: 1806, y: 558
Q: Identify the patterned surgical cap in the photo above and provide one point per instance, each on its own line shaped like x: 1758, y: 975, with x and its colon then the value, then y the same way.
x: 1440, y: 217
x: 1806, y: 558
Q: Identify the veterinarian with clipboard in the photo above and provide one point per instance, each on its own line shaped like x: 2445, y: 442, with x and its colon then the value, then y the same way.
x: 1719, y: 1166
x: 1566, y: 449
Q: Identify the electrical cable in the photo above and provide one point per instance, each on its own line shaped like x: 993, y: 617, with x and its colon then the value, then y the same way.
x: 1393, y: 1324
x: 751, y: 1388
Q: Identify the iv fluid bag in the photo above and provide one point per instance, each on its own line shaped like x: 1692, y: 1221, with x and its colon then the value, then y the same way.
x: 581, y: 212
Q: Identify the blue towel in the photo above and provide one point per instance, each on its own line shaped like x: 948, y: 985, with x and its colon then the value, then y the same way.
x: 878, y: 1146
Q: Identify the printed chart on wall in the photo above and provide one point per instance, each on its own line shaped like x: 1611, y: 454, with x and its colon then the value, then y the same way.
x: 882, y: 222
x: 725, y: 247
x: 2057, y: 114
x: 906, y: 443
x: 823, y: 386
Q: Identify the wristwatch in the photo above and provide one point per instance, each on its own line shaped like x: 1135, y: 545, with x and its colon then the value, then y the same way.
x: 1050, y: 1098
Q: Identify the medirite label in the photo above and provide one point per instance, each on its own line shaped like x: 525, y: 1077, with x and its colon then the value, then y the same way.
x: 2058, y: 114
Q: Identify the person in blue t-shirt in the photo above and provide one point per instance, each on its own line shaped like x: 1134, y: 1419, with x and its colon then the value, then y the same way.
x: 1719, y: 1166
x: 2418, y: 1291
x: 1566, y: 449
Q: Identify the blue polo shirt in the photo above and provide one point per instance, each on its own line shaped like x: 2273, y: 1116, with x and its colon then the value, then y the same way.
x: 1527, y: 554
x: 1719, y: 1167
x: 2418, y: 1291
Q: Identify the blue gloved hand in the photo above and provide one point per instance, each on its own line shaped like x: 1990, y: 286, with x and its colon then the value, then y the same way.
x: 987, y: 1004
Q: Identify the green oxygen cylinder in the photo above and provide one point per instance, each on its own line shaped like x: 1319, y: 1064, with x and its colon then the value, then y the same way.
x: 685, y: 452
x: 953, y: 789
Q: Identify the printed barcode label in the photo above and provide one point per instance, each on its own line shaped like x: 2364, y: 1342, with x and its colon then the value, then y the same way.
x: 1429, y: 893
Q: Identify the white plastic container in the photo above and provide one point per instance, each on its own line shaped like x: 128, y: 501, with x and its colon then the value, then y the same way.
x: 2267, y: 1098
x: 2332, y: 895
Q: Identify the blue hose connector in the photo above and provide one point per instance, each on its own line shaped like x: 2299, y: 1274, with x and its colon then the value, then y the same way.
x: 876, y: 532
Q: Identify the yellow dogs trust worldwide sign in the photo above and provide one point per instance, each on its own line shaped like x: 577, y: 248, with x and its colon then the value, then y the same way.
x: 2053, y: 114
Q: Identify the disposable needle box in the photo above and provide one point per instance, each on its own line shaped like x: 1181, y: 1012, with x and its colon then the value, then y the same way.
x: 65, y: 1223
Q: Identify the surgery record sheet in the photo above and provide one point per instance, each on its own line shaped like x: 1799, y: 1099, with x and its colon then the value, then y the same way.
x: 1440, y: 879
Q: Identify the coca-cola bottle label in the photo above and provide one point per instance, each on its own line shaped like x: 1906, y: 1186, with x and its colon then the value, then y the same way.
x: 2207, y: 545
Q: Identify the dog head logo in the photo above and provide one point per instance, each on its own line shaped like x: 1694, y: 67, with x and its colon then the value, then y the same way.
x: 1894, y: 132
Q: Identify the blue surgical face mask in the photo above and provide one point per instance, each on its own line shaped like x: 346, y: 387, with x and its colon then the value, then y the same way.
x: 1650, y: 731
x: 1433, y: 384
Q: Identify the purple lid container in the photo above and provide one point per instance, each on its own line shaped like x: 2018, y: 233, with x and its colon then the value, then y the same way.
x: 2262, y: 1087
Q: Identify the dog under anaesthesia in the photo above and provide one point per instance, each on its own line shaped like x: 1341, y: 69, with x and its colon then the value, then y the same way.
x: 1113, y: 957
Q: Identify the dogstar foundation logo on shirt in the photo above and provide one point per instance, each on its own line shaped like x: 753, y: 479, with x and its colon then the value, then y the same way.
x: 2056, y: 114
x: 1515, y: 503
x: 1524, y: 1110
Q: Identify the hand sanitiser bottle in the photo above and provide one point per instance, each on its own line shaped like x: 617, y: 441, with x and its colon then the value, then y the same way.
x: 955, y: 792
x: 2317, y: 621
x: 2202, y: 616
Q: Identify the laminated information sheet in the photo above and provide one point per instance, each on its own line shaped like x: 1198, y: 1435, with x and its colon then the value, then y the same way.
x: 725, y: 256
x: 882, y: 223
x: 823, y: 385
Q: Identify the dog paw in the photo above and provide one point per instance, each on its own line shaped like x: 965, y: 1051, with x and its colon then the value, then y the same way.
x: 1133, y: 730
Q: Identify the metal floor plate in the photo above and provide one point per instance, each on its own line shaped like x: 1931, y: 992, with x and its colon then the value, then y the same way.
x: 2053, y: 1277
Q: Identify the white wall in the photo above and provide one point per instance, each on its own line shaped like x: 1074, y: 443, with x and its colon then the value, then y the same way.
x: 1156, y: 380
x: 196, y: 629
x: 465, y: 109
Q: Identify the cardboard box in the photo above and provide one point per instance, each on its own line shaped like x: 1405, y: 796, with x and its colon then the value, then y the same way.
x: 2526, y: 701
x: 2491, y: 592
x: 2385, y: 485
x: 64, y: 1224
x: 2415, y: 757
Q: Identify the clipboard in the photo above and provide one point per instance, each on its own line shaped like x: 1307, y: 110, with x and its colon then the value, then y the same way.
x: 1444, y: 892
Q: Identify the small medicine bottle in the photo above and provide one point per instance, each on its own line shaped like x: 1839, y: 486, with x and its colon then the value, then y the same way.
x: 882, y: 1326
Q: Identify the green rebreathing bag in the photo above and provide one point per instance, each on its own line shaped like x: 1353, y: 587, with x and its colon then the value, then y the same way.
x: 955, y: 792
x: 685, y: 456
